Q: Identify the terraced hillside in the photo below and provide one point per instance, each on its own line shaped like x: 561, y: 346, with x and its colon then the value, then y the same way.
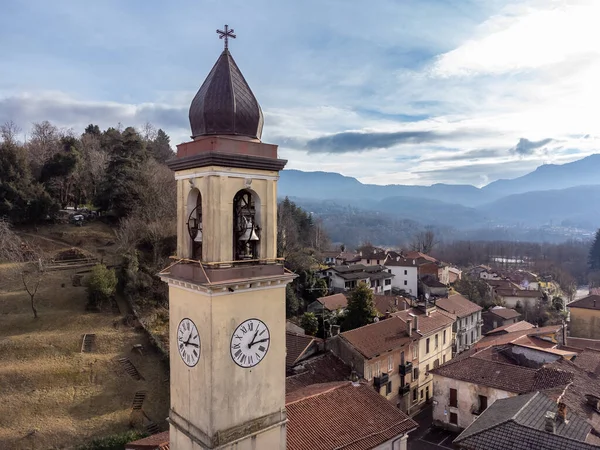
x: 53, y: 395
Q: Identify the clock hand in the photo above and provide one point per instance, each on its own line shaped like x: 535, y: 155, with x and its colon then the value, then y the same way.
x: 254, y: 337
x: 258, y: 342
x: 194, y: 345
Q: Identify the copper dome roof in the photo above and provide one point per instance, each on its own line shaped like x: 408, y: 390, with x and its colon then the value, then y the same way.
x: 225, y: 104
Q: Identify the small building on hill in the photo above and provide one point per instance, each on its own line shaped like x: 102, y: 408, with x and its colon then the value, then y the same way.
x: 498, y: 316
x: 585, y: 317
x: 329, y: 303
x: 346, y: 278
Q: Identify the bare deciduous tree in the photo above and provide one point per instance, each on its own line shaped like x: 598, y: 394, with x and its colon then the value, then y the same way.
x: 26, y: 262
x: 9, y: 132
x: 424, y: 242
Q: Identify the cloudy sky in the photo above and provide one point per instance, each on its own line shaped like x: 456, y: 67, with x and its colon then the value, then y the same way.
x: 405, y: 91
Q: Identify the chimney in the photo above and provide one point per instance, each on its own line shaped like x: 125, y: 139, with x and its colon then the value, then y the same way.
x: 416, y: 319
x: 413, y: 262
x: 594, y: 303
x: 562, y: 412
x: 550, y: 423
x: 409, y: 327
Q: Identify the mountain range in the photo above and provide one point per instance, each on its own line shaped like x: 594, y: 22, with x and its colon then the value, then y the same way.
x: 552, y: 196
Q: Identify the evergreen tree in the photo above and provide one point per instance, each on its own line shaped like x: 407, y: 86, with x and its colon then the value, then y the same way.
x: 291, y: 301
x: 310, y: 323
x: 121, y: 191
x: 594, y: 257
x: 160, y: 147
x: 361, y: 309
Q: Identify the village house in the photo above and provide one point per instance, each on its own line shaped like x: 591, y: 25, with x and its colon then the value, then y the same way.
x: 534, y: 420
x: 387, y: 304
x: 585, y: 317
x: 433, y: 328
x: 448, y: 274
x: 383, y: 353
x: 373, y: 257
x: 523, y: 278
x: 329, y: 257
x: 510, y: 297
x: 510, y: 328
x: 466, y: 386
x: 329, y: 303
x: 467, y: 328
x: 498, y: 316
x: 344, y: 415
x: 346, y: 278
x: 429, y: 285
x: 405, y: 273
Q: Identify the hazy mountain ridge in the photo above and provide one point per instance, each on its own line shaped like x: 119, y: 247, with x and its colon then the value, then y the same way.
x: 565, y: 195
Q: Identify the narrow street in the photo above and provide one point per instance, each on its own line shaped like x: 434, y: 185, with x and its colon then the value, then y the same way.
x: 427, y: 437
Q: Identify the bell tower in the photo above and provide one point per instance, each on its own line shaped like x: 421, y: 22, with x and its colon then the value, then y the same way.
x: 226, y: 285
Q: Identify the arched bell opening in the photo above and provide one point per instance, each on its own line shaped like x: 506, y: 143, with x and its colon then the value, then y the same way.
x: 194, y: 223
x: 246, y: 229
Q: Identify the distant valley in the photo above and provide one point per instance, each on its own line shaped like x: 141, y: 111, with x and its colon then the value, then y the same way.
x: 552, y: 203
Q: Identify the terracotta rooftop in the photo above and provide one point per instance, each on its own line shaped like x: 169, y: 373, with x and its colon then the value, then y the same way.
x: 384, y: 303
x: 296, y: 345
x: 158, y: 441
x: 583, y: 343
x: 505, y: 313
x: 518, y: 326
x: 416, y: 255
x: 507, y: 338
x: 436, y: 320
x: 458, y: 305
x: 334, y: 302
x: 479, y: 367
x: 319, y: 369
x: 340, y: 415
x: 518, y: 293
x: 589, y: 302
x: 377, y: 338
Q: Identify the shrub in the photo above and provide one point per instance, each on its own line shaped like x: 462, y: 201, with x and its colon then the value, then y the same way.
x: 310, y: 323
x: 113, y: 442
x: 101, y: 286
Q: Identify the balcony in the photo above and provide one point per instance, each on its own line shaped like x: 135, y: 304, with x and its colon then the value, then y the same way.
x: 403, y: 390
x: 381, y: 380
x: 406, y: 368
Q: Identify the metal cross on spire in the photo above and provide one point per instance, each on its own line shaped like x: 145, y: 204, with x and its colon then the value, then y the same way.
x: 226, y: 34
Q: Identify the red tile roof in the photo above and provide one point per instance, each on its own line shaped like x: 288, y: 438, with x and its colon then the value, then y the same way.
x: 342, y: 416
x: 377, y: 338
x: 334, y: 302
x: 458, y: 305
x: 319, y: 369
x: 489, y: 367
x: 158, y: 441
x: 502, y: 339
x: 419, y: 255
x: 436, y: 320
x: 583, y: 343
x: 296, y: 345
x: 505, y: 313
x: 518, y: 293
x: 589, y: 302
x: 392, y: 303
x: 518, y: 326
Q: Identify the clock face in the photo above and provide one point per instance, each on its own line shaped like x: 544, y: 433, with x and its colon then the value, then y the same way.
x: 250, y: 343
x: 188, y: 342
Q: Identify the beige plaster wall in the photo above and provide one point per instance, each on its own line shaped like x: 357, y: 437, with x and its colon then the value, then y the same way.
x: 217, y: 394
x: 467, y: 396
x: 429, y: 358
x: 584, y: 323
x: 218, y: 186
x: 273, y: 438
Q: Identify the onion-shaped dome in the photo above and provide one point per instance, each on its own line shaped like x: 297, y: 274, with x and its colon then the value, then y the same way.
x: 225, y: 104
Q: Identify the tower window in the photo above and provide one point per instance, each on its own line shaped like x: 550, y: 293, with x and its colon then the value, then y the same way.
x: 194, y: 223
x: 246, y: 232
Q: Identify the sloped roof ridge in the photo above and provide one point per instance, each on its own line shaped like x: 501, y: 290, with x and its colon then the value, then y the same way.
x: 314, y: 393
